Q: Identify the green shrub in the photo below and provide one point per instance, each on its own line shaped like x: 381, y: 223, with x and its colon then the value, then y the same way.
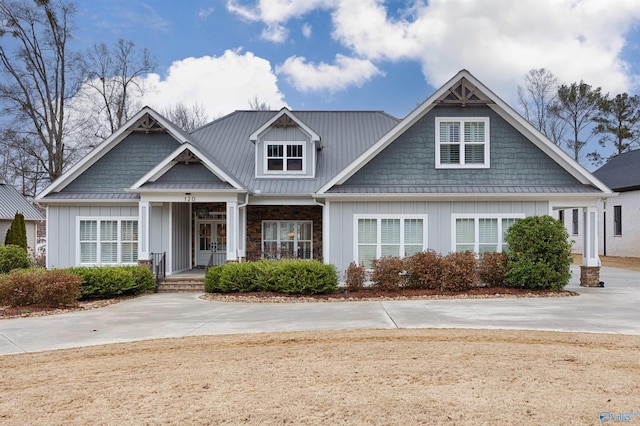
x: 17, y: 232
x: 354, y: 276
x: 112, y: 281
x: 387, y: 273
x: 492, y: 269
x: 13, y: 257
x: 459, y: 271
x: 423, y: 270
x: 539, y: 253
x: 284, y: 276
x: 24, y: 287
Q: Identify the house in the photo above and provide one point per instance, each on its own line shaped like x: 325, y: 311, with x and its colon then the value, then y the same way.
x: 620, y: 234
x: 12, y: 202
x: 339, y: 186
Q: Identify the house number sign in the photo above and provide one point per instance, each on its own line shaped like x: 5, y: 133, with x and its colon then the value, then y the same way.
x: 189, y: 198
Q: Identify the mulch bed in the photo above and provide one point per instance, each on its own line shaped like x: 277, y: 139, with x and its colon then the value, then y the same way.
x: 8, y: 312
x: 376, y: 294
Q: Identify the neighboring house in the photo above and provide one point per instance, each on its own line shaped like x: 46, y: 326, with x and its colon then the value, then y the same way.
x: 12, y: 202
x: 334, y: 185
x: 620, y: 235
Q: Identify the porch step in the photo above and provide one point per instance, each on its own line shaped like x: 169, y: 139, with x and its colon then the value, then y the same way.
x: 182, y: 285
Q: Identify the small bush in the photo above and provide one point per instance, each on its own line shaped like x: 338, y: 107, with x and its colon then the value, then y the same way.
x: 423, y: 270
x: 13, y: 257
x: 493, y: 268
x: 24, y: 287
x: 354, y: 276
x: 388, y: 273
x: 539, y: 253
x: 284, y: 276
x: 112, y: 281
x: 458, y: 271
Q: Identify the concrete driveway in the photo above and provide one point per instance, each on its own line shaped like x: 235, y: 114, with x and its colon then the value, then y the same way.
x: 612, y: 309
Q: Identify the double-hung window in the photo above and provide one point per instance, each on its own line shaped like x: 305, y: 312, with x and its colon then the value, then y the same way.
x: 107, y: 241
x: 388, y: 235
x: 285, y: 157
x: 462, y: 142
x: 481, y: 233
x: 287, y: 238
x: 617, y: 220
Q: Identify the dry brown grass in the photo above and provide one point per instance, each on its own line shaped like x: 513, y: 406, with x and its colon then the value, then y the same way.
x: 344, y: 377
x: 631, y: 263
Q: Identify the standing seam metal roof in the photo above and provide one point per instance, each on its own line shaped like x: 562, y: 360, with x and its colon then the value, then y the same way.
x: 11, y: 201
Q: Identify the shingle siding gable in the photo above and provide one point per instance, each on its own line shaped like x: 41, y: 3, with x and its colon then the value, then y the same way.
x: 125, y: 163
x: 410, y: 159
x: 188, y: 173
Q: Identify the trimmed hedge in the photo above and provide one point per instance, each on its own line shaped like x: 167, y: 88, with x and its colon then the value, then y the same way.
x: 13, y: 257
x: 24, y: 287
x: 284, y: 276
x: 539, y: 253
x: 112, y: 281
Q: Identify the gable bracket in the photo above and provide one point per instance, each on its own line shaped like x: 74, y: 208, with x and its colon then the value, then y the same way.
x: 187, y: 157
x: 284, y: 121
x: 463, y: 95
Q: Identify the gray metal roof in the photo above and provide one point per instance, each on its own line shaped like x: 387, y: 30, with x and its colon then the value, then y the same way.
x: 187, y: 185
x: 345, y: 135
x: 11, y: 201
x: 92, y: 196
x: 622, y: 172
x: 458, y: 189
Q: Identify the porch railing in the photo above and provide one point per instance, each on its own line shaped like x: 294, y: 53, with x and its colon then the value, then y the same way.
x: 159, y: 266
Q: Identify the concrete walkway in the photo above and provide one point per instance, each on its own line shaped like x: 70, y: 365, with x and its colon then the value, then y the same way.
x: 612, y: 309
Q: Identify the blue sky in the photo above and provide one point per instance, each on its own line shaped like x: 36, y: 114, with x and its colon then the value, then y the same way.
x: 364, y: 54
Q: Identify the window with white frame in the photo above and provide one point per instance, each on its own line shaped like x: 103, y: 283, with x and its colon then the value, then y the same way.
x: 462, y: 142
x: 287, y: 238
x: 388, y: 235
x: 284, y: 157
x: 481, y: 233
x: 107, y: 241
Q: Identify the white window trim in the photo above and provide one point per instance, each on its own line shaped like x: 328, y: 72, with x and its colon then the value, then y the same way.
x: 476, y: 217
x: 462, y: 165
x: 279, y: 241
x: 119, y: 241
x: 284, y: 170
x: 378, y: 217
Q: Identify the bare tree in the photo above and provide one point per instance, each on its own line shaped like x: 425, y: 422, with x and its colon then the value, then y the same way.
x: 36, y: 77
x: 188, y: 118
x: 256, y: 105
x: 540, y: 91
x: 114, y: 83
x: 577, y: 105
x: 19, y: 166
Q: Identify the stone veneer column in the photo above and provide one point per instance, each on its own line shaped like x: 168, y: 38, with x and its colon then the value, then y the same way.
x: 590, y: 276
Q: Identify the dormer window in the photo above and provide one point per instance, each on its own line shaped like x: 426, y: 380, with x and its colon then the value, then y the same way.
x: 462, y: 143
x: 285, y: 157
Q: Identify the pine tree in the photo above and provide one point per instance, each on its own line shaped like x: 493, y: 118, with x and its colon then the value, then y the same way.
x: 17, y: 232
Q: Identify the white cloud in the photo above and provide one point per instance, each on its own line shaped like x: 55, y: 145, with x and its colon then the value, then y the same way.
x: 203, y: 14
x: 220, y: 84
x: 346, y: 72
x: 275, y: 33
x: 497, y: 40
x: 306, y: 30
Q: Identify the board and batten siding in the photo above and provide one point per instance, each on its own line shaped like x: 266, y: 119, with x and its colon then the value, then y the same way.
x: 180, y: 237
x: 62, y: 240
x: 341, y: 221
x: 159, y: 228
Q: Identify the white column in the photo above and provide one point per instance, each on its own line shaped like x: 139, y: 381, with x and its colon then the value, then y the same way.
x: 232, y: 231
x: 242, y: 232
x: 143, y: 230
x: 590, y: 237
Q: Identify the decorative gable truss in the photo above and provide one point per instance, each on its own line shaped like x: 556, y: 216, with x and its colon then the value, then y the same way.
x: 285, y: 147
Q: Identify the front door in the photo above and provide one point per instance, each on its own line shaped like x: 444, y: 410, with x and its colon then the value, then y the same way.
x: 211, y: 242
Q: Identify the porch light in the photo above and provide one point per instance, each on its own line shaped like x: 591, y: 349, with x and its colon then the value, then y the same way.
x: 291, y: 235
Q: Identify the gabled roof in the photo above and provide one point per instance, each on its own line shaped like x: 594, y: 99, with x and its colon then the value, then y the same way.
x: 622, y: 172
x: 185, y: 153
x: 464, y: 89
x: 146, y: 120
x: 12, y: 202
x: 284, y: 118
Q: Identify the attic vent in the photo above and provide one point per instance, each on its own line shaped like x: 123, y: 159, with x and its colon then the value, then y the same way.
x: 187, y: 157
x: 463, y: 94
x: 147, y: 124
x: 284, y: 121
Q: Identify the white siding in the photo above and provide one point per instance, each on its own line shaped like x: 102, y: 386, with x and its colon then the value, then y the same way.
x: 159, y: 228
x: 627, y: 244
x: 439, y: 221
x: 180, y: 250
